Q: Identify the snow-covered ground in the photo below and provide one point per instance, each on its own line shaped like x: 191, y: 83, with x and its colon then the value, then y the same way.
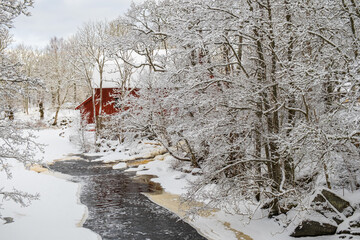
x: 215, y: 225
x: 58, y: 214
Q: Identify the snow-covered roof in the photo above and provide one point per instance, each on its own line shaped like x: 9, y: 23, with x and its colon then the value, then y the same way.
x: 112, y: 77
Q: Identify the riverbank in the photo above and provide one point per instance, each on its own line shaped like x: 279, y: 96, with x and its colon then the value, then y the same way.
x: 213, y: 224
x: 60, y: 215
x: 117, y: 207
x: 173, y: 203
x: 218, y: 224
x: 57, y: 214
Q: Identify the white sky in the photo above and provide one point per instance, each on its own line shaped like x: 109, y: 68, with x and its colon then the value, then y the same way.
x: 61, y: 18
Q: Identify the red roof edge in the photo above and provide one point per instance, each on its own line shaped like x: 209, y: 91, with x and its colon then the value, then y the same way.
x: 83, y: 103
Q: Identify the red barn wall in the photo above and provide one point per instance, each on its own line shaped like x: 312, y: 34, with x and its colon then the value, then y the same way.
x: 108, y: 104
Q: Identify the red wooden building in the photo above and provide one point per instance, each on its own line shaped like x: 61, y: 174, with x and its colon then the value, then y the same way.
x: 108, y: 104
x: 109, y: 107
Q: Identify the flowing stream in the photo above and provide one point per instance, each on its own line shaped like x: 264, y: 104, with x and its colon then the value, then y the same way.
x: 117, y: 209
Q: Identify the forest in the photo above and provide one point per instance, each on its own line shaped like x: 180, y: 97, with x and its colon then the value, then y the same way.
x: 261, y: 95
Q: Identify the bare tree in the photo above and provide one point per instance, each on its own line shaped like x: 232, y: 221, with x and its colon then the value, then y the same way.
x: 91, y: 38
x: 256, y: 91
x: 14, y: 144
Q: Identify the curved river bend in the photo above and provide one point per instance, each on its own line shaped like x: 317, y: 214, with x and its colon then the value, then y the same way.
x: 117, y: 209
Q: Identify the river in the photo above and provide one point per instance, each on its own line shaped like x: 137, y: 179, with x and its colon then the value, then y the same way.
x: 117, y: 208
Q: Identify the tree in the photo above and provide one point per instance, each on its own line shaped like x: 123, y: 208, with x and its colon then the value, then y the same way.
x: 255, y: 92
x: 58, y: 73
x: 14, y: 144
x: 91, y: 39
x: 29, y: 59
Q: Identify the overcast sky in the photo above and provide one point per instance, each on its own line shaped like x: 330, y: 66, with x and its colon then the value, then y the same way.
x: 61, y: 18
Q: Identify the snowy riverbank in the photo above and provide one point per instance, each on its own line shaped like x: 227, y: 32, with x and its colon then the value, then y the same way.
x: 58, y: 214
x: 215, y: 225
x: 218, y: 224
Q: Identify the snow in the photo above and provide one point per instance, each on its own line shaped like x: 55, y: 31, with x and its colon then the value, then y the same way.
x: 111, y: 75
x: 172, y: 181
x: 121, y: 165
x: 212, y: 226
x: 58, y: 214
x: 219, y: 224
x: 125, y: 153
x: 56, y: 146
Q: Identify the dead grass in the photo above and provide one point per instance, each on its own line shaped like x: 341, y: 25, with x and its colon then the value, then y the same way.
x: 37, y: 168
x: 239, y: 235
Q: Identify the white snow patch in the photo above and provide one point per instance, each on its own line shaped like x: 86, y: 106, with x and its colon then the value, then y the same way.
x: 58, y: 214
x: 220, y: 224
x: 172, y: 181
x: 56, y: 144
x: 121, y: 165
x: 144, y: 150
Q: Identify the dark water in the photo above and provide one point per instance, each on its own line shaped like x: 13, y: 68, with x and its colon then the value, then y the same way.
x: 117, y: 209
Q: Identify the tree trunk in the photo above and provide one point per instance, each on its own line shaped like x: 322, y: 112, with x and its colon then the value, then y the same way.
x: 41, y: 110
x: 58, y: 104
x: 26, y: 105
x: 289, y: 161
x: 75, y: 93
x: 10, y: 113
x: 56, y: 116
x: 99, y: 122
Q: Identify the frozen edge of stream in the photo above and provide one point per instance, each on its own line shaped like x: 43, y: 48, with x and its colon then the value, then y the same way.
x: 176, y: 212
x: 85, y: 215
